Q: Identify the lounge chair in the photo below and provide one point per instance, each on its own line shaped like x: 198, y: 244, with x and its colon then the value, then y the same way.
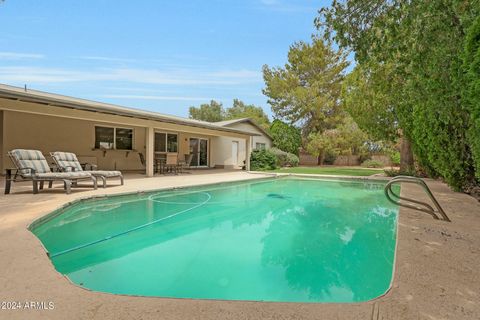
x: 68, y: 162
x: 32, y: 165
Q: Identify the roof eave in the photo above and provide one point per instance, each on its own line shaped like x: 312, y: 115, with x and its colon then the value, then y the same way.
x: 108, y: 109
x: 251, y: 121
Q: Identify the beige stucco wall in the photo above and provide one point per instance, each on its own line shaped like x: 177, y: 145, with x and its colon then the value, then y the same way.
x: 251, y: 128
x: 222, y: 156
x: 48, y: 134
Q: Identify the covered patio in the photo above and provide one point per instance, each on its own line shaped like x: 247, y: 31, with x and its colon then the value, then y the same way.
x: 114, y: 137
x: 134, y: 182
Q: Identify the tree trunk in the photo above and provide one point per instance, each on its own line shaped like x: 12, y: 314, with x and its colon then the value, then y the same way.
x: 320, y: 159
x: 406, y: 156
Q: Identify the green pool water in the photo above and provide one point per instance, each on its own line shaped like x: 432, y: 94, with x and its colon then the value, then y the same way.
x: 284, y: 239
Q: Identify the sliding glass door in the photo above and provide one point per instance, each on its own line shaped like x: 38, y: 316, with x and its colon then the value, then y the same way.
x: 199, y: 149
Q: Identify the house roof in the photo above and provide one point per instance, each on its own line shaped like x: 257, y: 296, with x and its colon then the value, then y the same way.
x: 57, y: 100
x: 228, y: 123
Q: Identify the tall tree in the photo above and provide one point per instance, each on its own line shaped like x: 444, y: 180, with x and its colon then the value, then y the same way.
x: 306, y: 91
x: 420, y: 43
x: 365, y: 99
x: 370, y: 97
x: 242, y: 110
x: 471, y: 92
x: 285, y: 137
x: 211, y: 112
x: 345, y: 139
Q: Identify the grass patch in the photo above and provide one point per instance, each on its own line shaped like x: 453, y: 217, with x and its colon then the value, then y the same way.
x: 338, y: 171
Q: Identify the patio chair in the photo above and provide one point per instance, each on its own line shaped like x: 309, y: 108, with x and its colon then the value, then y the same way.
x: 185, y: 164
x: 159, y: 163
x: 142, y: 159
x: 144, y: 162
x: 68, y: 162
x: 32, y: 165
x: 171, y: 163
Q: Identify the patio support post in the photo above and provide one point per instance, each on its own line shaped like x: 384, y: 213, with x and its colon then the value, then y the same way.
x: 248, y: 150
x: 150, y: 149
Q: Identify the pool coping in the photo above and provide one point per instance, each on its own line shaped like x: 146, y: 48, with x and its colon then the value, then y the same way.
x: 436, y: 266
x: 57, y: 211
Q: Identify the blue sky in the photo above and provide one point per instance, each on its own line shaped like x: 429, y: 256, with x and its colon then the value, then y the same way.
x: 156, y: 55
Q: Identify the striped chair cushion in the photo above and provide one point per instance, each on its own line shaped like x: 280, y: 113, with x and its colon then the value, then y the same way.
x: 67, y: 160
x: 105, y: 173
x: 64, y: 175
x: 25, y: 159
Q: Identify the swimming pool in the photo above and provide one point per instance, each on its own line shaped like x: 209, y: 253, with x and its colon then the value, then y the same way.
x: 287, y: 239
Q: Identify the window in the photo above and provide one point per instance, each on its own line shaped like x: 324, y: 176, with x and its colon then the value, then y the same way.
x: 123, y: 139
x: 113, y: 138
x: 166, y: 142
x: 104, y: 137
x: 171, y: 142
x: 260, y: 146
x: 160, y: 142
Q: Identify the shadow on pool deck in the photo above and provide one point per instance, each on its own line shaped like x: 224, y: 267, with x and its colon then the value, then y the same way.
x: 437, y: 265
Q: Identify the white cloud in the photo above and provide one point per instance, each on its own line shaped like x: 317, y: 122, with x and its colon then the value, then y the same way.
x: 149, y: 97
x: 135, y: 75
x: 17, y: 55
x: 45, y: 75
x: 108, y: 59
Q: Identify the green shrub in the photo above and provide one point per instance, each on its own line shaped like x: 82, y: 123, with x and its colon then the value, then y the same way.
x: 285, y: 159
x: 277, y: 152
x: 329, y: 158
x: 263, y: 160
x: 292, y: 160
x: 395, y: 158
x: 363, y: 155
x: 471, y: 91
x: 394, y: 173
x: 416, y: 171
x: 372, y: 164
x: 286, y: 137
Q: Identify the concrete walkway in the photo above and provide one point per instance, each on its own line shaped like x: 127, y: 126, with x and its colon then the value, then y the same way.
x: 437, y: 265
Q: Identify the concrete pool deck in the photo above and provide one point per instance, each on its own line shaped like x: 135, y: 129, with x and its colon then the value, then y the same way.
x: 437, y: 272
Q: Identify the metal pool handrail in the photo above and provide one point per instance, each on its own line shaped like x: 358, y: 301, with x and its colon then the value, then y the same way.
x: 424, y: 207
